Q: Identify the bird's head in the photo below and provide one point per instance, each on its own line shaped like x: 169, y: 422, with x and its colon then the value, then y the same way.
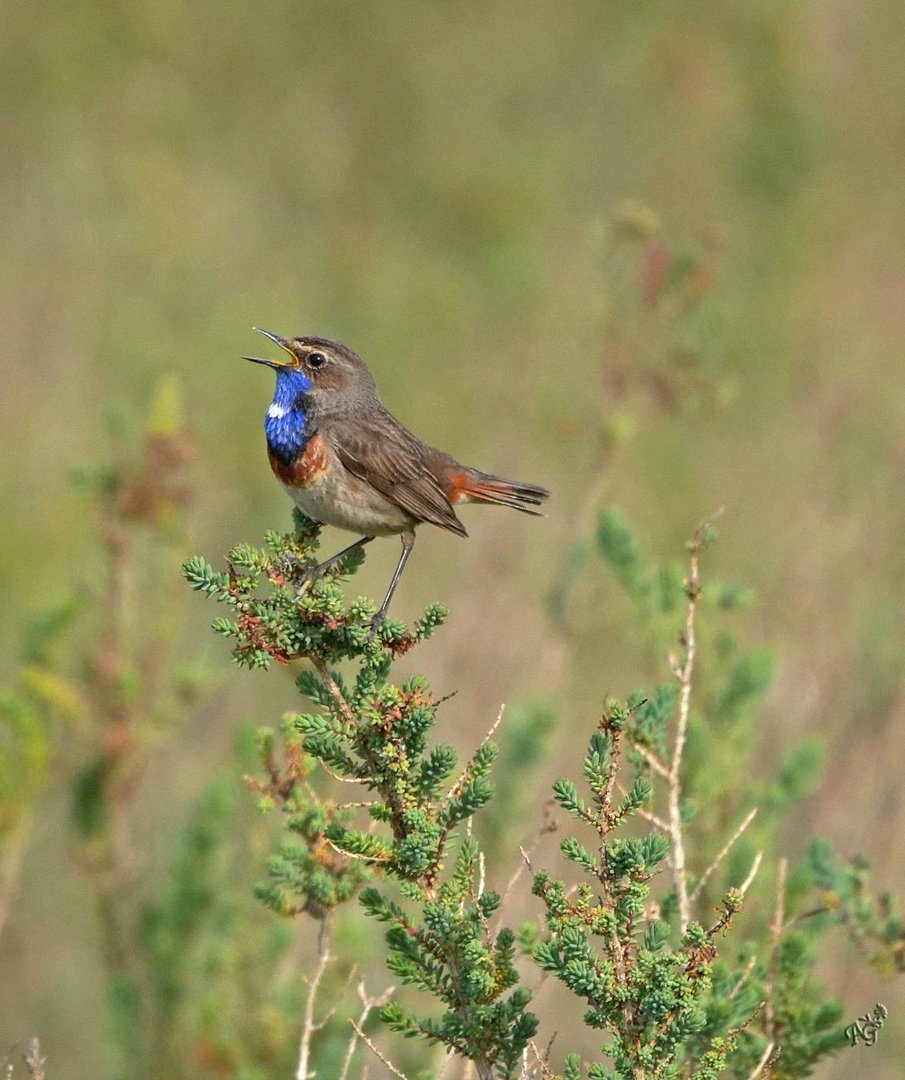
x: 330, y: 376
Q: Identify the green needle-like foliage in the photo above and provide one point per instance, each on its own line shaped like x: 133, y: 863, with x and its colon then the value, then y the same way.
x: 643, y: 928
x: 371, y: 732
x: 606, y: 944
x: 675, y: 996
x: 277, y: 613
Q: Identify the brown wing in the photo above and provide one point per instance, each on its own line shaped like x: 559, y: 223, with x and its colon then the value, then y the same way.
x: 382, y: 452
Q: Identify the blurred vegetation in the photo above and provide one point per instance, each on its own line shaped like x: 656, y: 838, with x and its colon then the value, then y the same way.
x: 644, y: 254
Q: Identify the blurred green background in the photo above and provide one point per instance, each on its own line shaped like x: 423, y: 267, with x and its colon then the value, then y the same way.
x: 482, y: 199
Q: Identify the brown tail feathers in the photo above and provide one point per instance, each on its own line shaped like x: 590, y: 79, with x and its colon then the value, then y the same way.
x: 471, y: 485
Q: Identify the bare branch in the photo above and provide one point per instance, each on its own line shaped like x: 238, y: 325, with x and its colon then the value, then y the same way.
x: 764, y: 1061
x: 378, y: 1053
x: 341, y: 779
x: 674, y: 790
x: 367, y: 1005
x: 549, y: 825
x: 320, y: 666
x: 376, y: 859
x: 545, y: 1070
x: 776, y: 928
x: 683, y: 671
x: 648, y: 815
x: 696, y: 892
x: 490, y: 733
x: 752, y: 873
x: 652, y: 759
x: 749, y: 967
x: 34, y: 1061
x: 309, y: 1027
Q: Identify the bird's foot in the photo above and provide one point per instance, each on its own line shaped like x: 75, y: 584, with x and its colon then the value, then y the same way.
x: 376, y: 622
x: 291, y: 567
x: 300, y: 576
x: 307, y: 579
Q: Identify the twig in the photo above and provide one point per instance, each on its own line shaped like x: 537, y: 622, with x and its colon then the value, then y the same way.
x: 752, y: 873
x: 729, y: 911
x: 342, y: 779
x: 320, y: 666
x: 683, y: 673
x: 776, y: 928
x: 367, y: 1004
x: 648, y: 815
x: 309, y: 1027
x: 545, y: 1070
x: 743, y: 977
x: 778, y: 917
x: 652, y: 759
x: 549, y: 825
x: 34, y: 1061
x: 764, y: 1060
x: 490, y: 732
x: 696, y: 892
x: 375, y: 1051
x: 376, y: 859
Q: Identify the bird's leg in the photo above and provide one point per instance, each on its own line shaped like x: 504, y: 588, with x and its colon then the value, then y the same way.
x: 408, y: 542
x: 314, y: 572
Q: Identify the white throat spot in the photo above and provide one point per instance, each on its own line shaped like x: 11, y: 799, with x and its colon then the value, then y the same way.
x: 276, y: 412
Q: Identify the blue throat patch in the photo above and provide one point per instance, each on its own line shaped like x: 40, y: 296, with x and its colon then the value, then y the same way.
x: 284, y: 423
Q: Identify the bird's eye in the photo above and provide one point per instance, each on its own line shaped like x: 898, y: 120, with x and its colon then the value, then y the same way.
x: 316, y: 359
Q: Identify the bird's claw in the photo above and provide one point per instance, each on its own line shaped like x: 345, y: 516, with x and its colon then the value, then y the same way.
x: 376, y: 622
x: 307, y: 580
x: 301, y: 576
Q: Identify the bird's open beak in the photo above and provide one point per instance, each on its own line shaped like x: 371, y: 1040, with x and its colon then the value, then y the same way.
x: 277, y: 340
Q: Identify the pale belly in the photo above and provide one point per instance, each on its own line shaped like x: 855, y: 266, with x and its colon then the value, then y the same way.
x: 353, y: 505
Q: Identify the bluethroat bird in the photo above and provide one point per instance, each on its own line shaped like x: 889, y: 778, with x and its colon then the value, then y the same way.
x: 345, y: 461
